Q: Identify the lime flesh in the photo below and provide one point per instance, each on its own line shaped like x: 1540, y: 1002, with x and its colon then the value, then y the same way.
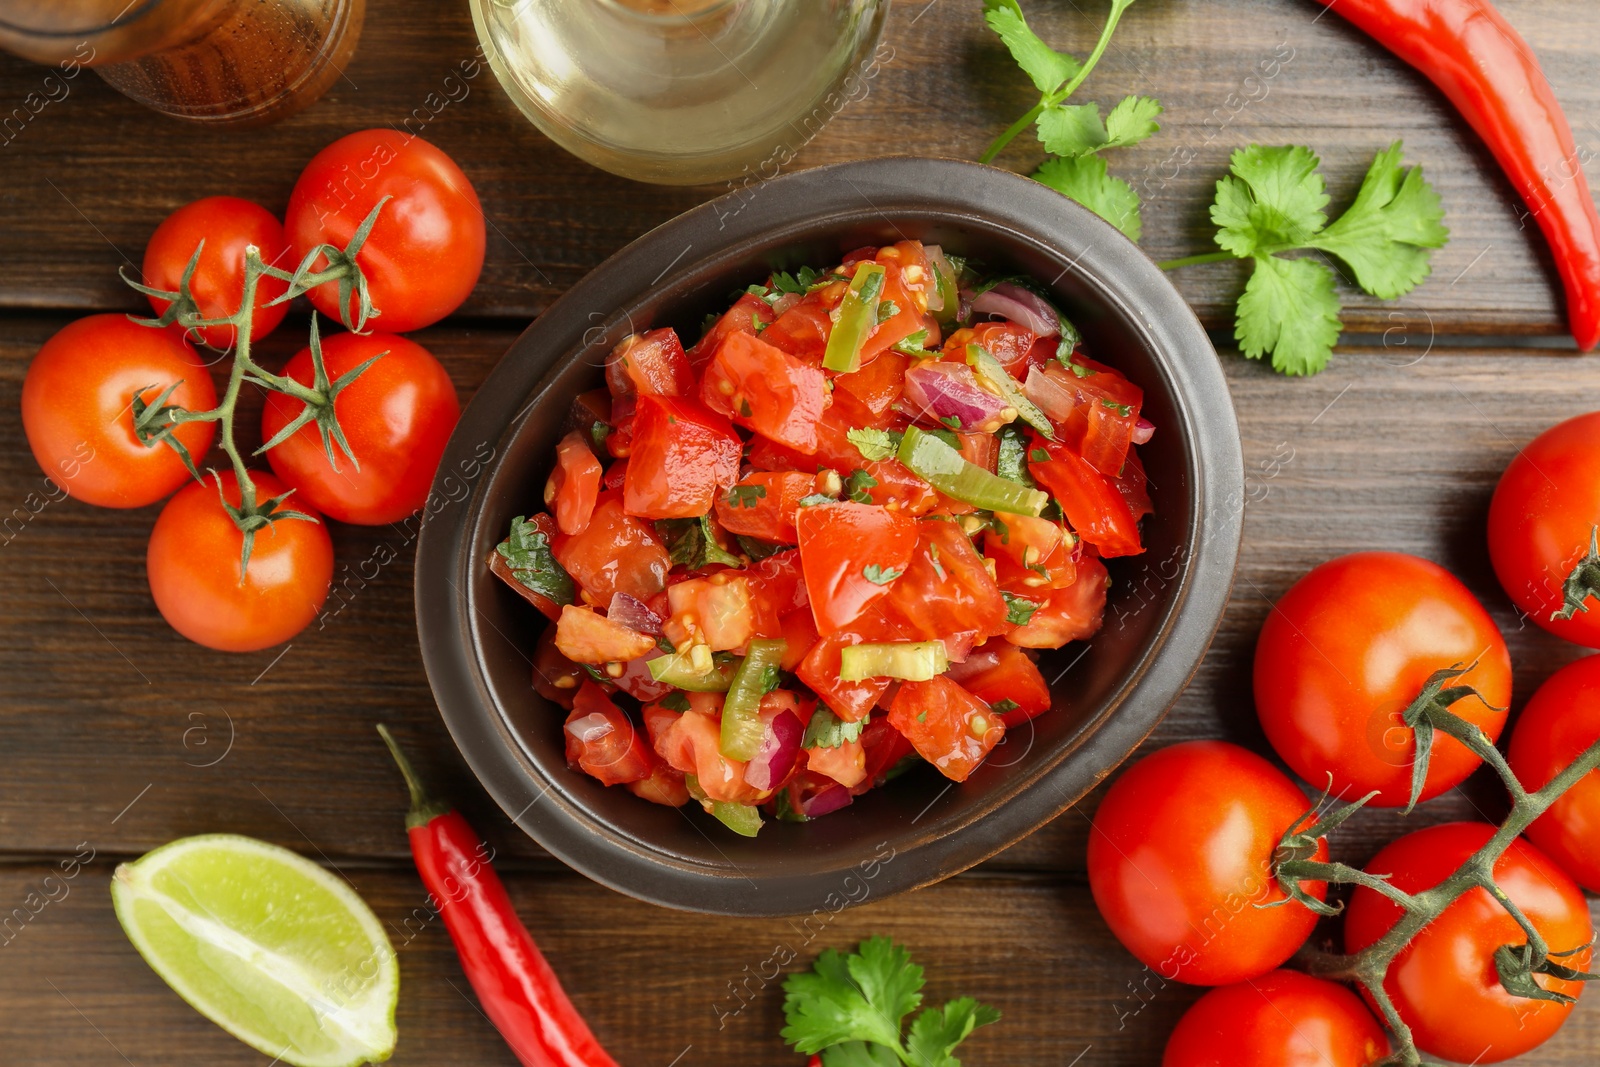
x: 266, y: 944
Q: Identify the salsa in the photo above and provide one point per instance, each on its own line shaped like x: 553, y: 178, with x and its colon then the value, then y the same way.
x: 828, y: 540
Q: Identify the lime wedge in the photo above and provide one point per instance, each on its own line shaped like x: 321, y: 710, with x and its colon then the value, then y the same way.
x: 267, y: 945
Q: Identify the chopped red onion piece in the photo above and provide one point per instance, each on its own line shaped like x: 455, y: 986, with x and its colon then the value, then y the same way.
x: 1021, y: 306
x: 1050, y: 395
x: 780, y: 747
x: 785, y: 302
x: 830, y: 799
x: 964, y: 305
x: 633, y: 613
x: 942, y: 269
x: 1143, y: 430
x: 590, y: 728
x: 942, y: 390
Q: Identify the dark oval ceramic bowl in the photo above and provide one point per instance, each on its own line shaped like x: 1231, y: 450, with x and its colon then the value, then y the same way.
x: 1164, y: 607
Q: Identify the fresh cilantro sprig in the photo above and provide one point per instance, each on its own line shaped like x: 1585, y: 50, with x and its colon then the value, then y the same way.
x: 693, y: 544
x: 533, y: 563
x: 852, y: 1010
x: 1272, y: 202
x: 1074, y: 134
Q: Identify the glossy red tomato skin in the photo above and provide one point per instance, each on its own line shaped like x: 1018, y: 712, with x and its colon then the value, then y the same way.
x: 602, y: 742
x: 77, y: 413
x: 766, y: 390
x: 999, y: 670
x: 227, y: 225
x: 397, y: 416
x: 425, y: 252
x: 193, y: 567
x: 683, y: 456
x: 651, y: 362
x: 1540, y: 520
x: 615, y: 553
x: 839, y: 542
x: 1348, y: 648
x: 1281, y: 1019
x: 574, y: 485
x: 1181, y: 852
x: 1444, y: 983
x: 1561, y: 720
x: 948, y: 726
x: 1073, y: 613
x: 946, y: 588
x: 764, y: 503
x: 1093, y: 505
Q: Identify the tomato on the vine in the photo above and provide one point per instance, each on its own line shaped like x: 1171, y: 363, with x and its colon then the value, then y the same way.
x: 425, y: 252
x: 397, y: 417
x: 1561, y: 720
x: 1541, y: 524
x: 194, y: 558
x: 1349, y: 647
x: 1444, y: 983
x: 1181, y: 854
x: 227, y: 225
x: 77, y: 409
x: 1281, y: 1019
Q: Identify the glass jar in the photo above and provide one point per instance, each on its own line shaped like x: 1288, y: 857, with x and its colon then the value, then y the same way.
x: 238, y: 62
x: 681, y: 92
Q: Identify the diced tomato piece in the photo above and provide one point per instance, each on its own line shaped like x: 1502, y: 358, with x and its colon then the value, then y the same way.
x: 749, y: 314
x: 555, y: 677
x: 803, y: 330
x: 846, y: 764
x: 615, y: 475
x: 1025, y: 540
x: 1071, y: 614
x: 946, y: 588
x: 948, y: 726
x: 652, y: 362
x: 691, y: 743
x: 1094, y: 410
x: 619, y: 442
x: 834, y: 450
x: 585, y: 636
x: 683, y: 455
x: 574, y: 484
x: 998, y: 672
x: 851, y: 553
x: 636, y: 681
x: 851, y: 701
x: 1134, y: 486
x: 909, y: 299
x: 1010, y: 344
x: 876, y: 386
x: 615, y: 553
x: 1093, y: 506
x: 799, y: 632
x: 664, y: 785
x: 500, y: 567
x: 779, y: 580
x: 763, y: 505
x: 980, y: 449
x: 716, y: 611
x: 885, y: 748
x: 602, y: 742
x: 766, y: 390
x: 657, y: 720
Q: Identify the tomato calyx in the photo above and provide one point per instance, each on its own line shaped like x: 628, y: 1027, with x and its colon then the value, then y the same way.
x: 1294, y: 861
x: 1430, y: 712
x: 1517, y: 964
x: 154, y: 422
x: 318, y: 408
x: 1583, y: 581
x: 341, y: 267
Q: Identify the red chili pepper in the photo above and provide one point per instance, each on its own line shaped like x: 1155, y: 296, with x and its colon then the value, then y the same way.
x: 518, y: 990
x: 1472, y: 54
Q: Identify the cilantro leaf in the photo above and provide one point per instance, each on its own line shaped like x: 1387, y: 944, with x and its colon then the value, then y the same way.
x: 937, y: 1031
x: 675, y: 701
x: 884, y: 973
x: 1012, y: 461
x: 1271, y: 202
x: 758, y: 549
x: 1386, y: 235
x: 1019, y: 610
x: 528, y: 551
x: 823, y: 1007
x: 691, y: 543
x: 1289, y: 309
x: 859, y: 1053
x: 827, y: 730
x: 912, y: 344
x: 1084, y: 179
x: 746, y: 496
x: 1047, y: 68
x: 857, y: 485
x: 1071, y: 129
x: 1132, y: 120
x: 879, y: 575
x: 1003, y: 705
x: 874, y: 444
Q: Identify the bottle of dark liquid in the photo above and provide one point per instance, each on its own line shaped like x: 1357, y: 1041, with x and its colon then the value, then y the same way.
x: 239, y: 62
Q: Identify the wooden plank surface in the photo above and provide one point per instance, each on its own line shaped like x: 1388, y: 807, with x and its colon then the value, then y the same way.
x: 90, y: 176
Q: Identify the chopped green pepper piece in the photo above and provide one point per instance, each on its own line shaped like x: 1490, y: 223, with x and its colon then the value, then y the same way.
x: 676, y: 670
x: 858, y: 314
x: 947, y: 471
x: 742, y: 819
x: 913, y: 661
x: 741, y: 711
x: 990, y: 370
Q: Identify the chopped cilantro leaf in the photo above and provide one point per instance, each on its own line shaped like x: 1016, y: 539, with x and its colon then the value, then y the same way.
x: 879, y: 575
x: 746, y: 496
x: 857, y: 485
x: 887, y: 310
x: 875, y: 444
x: 1121, y: 409
x: 527, y: 551
x: 675, y: 701
x: 1019, y: 610
x: 827, y: 730
x: 1012, y: 461
x: 952, y: 421
x: 911, y: 344
x: 1003, y: 705
x: 1039, y: 455
x: 691, y: 543
x: 758, y: 549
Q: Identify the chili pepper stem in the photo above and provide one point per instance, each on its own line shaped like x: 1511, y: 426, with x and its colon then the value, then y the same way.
x: 424, y: 809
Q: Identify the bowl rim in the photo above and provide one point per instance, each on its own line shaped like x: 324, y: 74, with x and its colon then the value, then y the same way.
x: 790, y: 207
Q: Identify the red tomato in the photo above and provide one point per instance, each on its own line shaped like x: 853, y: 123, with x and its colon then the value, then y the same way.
x: 747, y: 314
x: 946, y: 588
x: 77, y: 409
x: 716, y: 611
x: 500, y: 567
x: 803, y: 330
x: 1094, y: 408
x: 851, y: 552
x: 1444, y: 983
x: 651, y: 362
x: 763, y: 505
x: 851, y: 701
x: 1281, y: 1019
x: 574, y: 485
x: 585, y: 636
x: 692, y: 743
x: 227, y: 225
x: 1074, y: 613
x: 1091, y: 501
x: 1541, y: 521
x: 1562, y: 720
x: 683, y: 456
x: 615, y: 553
x: 948, y: 726
x: 193, y: 565
x: 1349, y: 647
x: 664, y: 785
x: 906, y: 297
x: 875, y: 386
x: 766, y: 390
x: 845, y: 764
x: 1180, y: 854
x: 1003, y: 676
x: 602, y: 742
x: 1007, y: 342
x: 397, y: 417
x: 425, y: 252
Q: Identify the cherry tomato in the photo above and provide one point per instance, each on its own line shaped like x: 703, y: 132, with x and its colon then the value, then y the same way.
x: 397, y: 417
x: 683, y: 456
x: 425, y: 252
x: 1180, y: 854
x: 1349, y: 647
x: 574, y: 485
x: 193, y: 565
x: 1281, y: 1019
x: 1444, y: 983
x: 948, y: 726
x: 77, y: 409
x: 227, y: 225
x: 1541, y: 521
x: 851, y: 552
x: 1562, y: 720
x: 602, y: 742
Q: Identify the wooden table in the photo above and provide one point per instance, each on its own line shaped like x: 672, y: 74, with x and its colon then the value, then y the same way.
x: 118, y: 735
